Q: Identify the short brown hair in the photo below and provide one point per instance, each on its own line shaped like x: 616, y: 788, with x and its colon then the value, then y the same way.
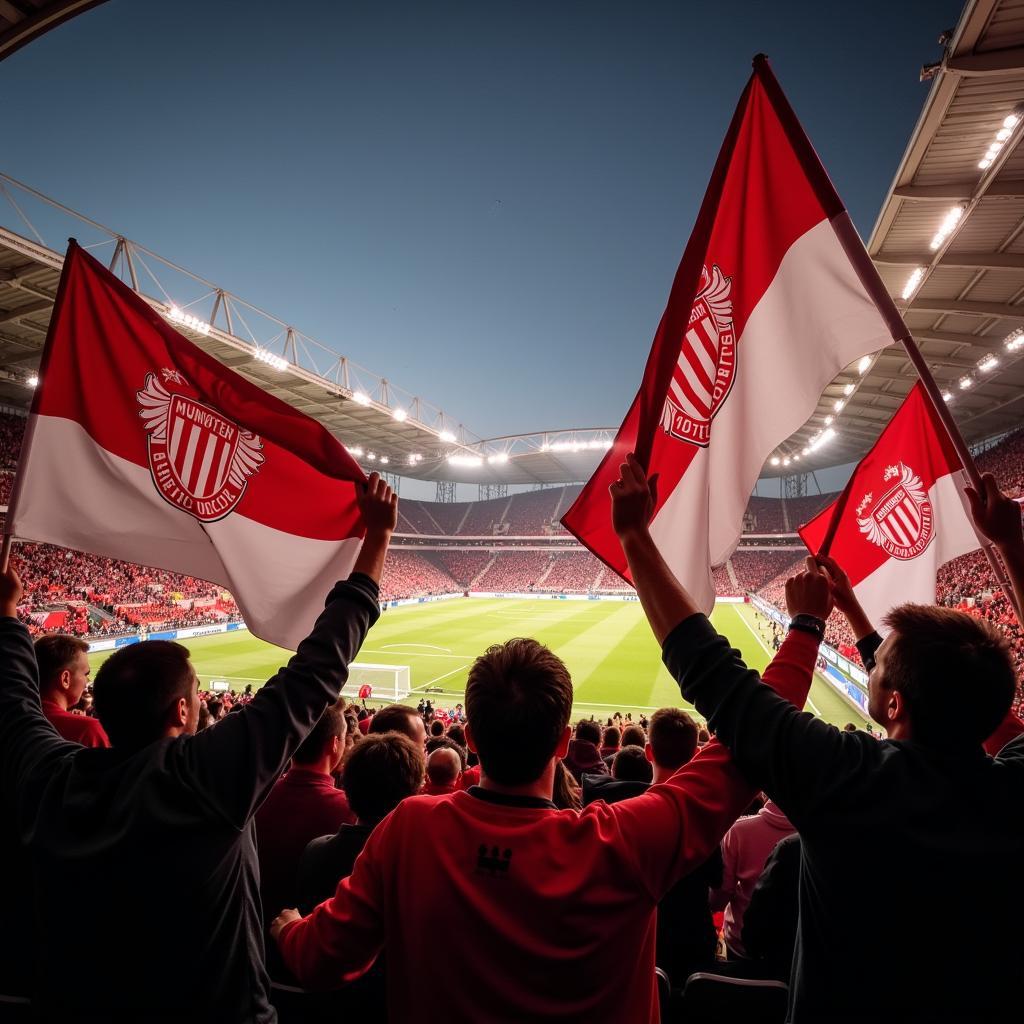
x: 633, y: 736
x: 673, y: 738
x: 518, y: 701
x: 395, y: 718
x: 612, y: 737
x: 331, y: 723
x: 588, y: 731
x: 381, y: 771
x: 954, y: 671
x: 56, y: 652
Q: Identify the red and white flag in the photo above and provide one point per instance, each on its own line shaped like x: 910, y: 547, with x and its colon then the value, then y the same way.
x: 902, y: 514
x: 765, y: 310
x: 142, y: 447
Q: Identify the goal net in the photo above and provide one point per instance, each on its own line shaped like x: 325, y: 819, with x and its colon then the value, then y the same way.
x: 387, y: 682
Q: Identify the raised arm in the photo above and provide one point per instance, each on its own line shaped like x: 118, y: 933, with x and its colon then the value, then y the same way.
x: 29, y: 744
x: 236, y: 761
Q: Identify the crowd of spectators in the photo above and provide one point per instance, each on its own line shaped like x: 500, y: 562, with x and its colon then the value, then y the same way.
x: 573, y: 572
x: 754, y: 569
x: 410, y: 574
x: 517, y: 571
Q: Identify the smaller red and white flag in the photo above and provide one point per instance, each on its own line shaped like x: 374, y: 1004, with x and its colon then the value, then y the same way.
x: 140, y: 446
x: 902, y: 514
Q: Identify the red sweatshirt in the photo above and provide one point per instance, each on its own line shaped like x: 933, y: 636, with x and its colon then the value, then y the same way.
x: 548, y: 913
x: 77, y: 728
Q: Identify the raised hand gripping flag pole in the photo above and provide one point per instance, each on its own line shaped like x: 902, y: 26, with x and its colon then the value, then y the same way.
x: 142, y: 447
x: 766, y: 308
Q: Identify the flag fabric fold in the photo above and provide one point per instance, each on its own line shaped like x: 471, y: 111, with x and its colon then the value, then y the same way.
x: 141, y: 446
x: 765, y: 310
x: 902, y: 514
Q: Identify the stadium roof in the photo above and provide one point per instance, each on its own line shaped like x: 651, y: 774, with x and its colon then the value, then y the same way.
x: 21, y: 21
x: 949, y: 244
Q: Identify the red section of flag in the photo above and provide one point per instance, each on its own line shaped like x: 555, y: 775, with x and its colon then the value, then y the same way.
x: 885, y: 512
x: 768, y: 189
x: 214, y: 443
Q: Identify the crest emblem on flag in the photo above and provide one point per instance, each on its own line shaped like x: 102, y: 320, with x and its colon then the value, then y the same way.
x: 200, y: 461
x: 703, y: 375
x: 901, y: 521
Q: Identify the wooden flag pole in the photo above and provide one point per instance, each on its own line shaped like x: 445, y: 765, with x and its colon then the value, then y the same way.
x: 900, y: 332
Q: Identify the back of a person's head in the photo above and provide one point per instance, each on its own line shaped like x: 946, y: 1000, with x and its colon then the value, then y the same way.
x: 612, y: 737
x: 443, y: 766
x: 55, y: 653
x: 137, y: 688
x: 518, y: 701
x: 315, y: 746
x: 380, y: 772
x: 396, y: 718
x: 457, y: 734
x: 437, y: 727
x: 954, y: 671
x: 673, y: 738
x: 631, y: 765
x: 633, y: 736
x: 447, y: 743
x: 588, y: 731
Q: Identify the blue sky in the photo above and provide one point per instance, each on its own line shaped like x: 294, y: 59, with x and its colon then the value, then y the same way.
x: 483, y: 202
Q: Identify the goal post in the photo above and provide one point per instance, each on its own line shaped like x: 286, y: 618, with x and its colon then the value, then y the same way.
x: 387, y: 682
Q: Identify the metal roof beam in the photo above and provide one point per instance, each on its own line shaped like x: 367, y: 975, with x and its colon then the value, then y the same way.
x: 971, y: 307
x: 968, y: 260
x: 31, y: 307
x: 958, y: 192
x: 987, y: 341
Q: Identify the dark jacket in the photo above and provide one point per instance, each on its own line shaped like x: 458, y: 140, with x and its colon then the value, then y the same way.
x: 325, y: 862
x: 165, y: 923
x: 939, y: 829
x: 769, y: 924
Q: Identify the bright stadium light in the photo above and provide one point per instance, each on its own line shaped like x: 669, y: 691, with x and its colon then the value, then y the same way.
x: 988, y: 364
x: 947, y: 396
x: 178, y: 316
x: 384, y: 460
x: 360, y: 398
x: 912, y: 282
x: 33, y: 381
x: 372, y: 456
x: 415, y: 459
x: 271, y: 359
x: 399, y: 414
x: 965, y: 382
x: 948, y: 224
x: 829, y: 420
x: 1014, y: 340
x: 775, y: 460
x: 1001, y: 137
x: 447, y: 436
x: 864, y: 365
x: 849, y: 389
x: 469, y: 461
x: 839, y: 405
x: 356, y: 453
x: 785, y: 462
x: 806, y: 451
x: 498, y: 459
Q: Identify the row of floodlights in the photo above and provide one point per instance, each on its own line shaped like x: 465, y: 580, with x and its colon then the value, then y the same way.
x: 1002, y: 135
x: 576, y: 446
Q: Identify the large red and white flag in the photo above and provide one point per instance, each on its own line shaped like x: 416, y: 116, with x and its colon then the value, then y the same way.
x: 142, y: 447
x: 765, y: 310
x: 902, y: 514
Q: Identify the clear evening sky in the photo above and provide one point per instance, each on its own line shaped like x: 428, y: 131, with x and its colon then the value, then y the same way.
x: 483, y: 202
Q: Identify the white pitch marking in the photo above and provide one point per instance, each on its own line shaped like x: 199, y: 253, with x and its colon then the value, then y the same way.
x: 757, y: 637
x: 432, y: 647
x: 437, y: 679
x: 415, y: 654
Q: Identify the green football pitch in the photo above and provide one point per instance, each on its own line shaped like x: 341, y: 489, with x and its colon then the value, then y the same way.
x: 607, y: 645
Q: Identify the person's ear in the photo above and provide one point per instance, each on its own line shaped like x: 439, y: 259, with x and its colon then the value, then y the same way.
x: 65, y: 679
x: 469, y: 739
x: 181, y: 713
x: 896, y: 708
x: 649, y: 753
x: 563, y: 744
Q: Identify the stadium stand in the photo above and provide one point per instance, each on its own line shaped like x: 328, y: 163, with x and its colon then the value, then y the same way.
x: 576, y: 572
x: 515, y: 571
x: 410, y: 574
x: 463, y: 566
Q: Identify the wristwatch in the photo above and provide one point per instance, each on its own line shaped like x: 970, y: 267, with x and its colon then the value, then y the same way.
x: 809, y: 624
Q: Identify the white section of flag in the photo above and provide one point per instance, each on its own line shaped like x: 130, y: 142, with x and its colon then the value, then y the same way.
x: 898, y: 581
x: 110, y: 497
x: 812, y: 321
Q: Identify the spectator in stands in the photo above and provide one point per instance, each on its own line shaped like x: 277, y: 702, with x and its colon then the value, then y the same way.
x: 382, y: 770
x: 770, y: 922
x: 566, y: 793
x: 745, y: 848
x: 925, y: 815
x: 437, y: 727
x: 583, y: 754
x: 302, y: 805
x: 634, y: 736
x: 443, y: 771
x: 610, y: 743
x: 519, y: 883
x: 399, y: 718
x: 631, y: 765
x: 216, y: 709
x: 63, y: 664
x: 159, y: 829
